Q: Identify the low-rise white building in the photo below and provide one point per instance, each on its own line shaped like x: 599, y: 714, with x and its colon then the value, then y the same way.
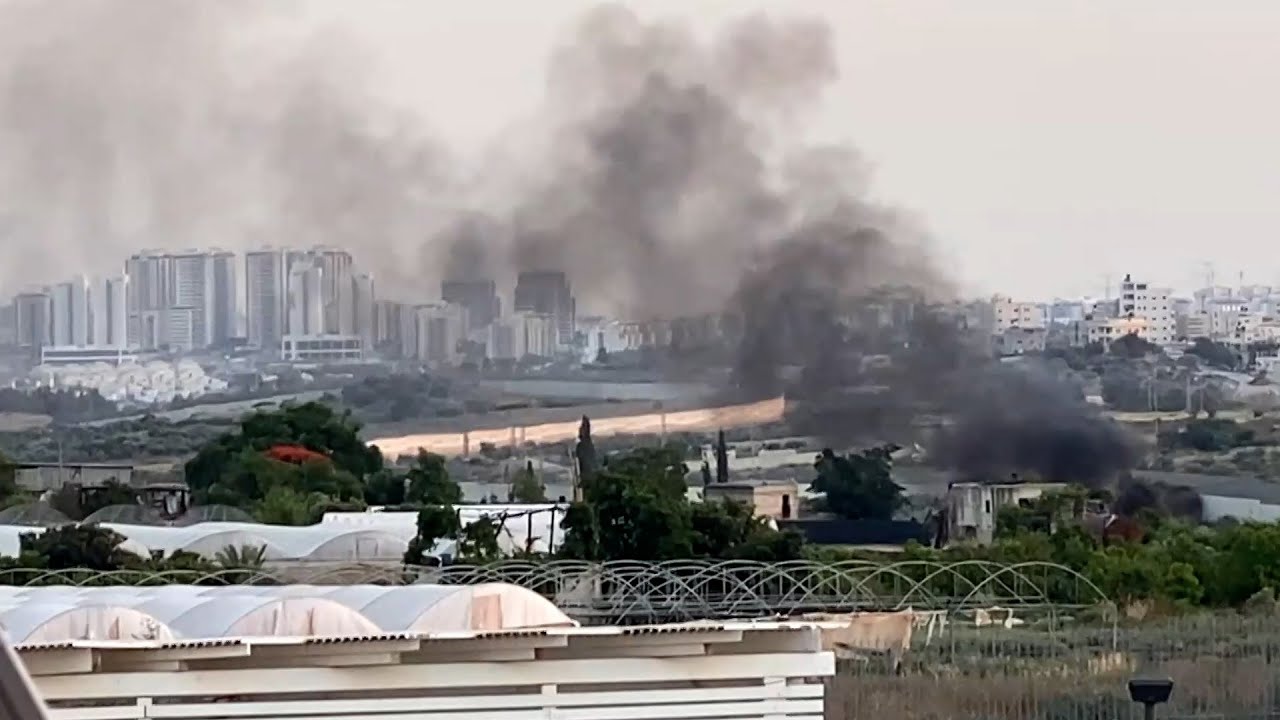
x: 322, y: 348
x: 1009, y: 313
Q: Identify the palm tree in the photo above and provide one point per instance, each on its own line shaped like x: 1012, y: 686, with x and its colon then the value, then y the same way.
x: 244, y: 556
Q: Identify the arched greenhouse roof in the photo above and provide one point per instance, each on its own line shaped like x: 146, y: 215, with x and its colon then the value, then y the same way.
x: 33, y: 514
x: 282, y: 542
x: 256, y: 616
x: 48, y: 622
x: 190, y: 611
x: 11, y: 541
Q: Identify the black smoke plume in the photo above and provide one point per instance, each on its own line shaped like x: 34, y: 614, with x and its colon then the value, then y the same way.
x: 1012, y: 420
x: 668, y: 177
x: 1134, y: 496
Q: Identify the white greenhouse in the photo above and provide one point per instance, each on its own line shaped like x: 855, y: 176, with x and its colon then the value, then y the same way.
x: 531, y: 527
x: 67, y: 613
x: 11, y: 541
x: 312, y: 543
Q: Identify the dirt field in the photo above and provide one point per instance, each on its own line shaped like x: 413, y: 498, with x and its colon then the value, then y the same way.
x: 17, y: 422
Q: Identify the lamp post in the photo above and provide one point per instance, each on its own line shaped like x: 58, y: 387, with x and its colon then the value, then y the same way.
x: 1150, y: 692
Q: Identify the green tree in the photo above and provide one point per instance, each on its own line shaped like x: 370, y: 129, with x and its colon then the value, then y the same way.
x: 249, y: 557
x: 429, y: 481
x: 234, y: 468
x: 722, y: 458
x: 859, y: 485
x: 526, y: 487
x: 585, y: 452
x: 1215, y: 354
x: 1132, y: 347
x: 435, y: 523
x: 9, y: 490
x: 76, y: 546
x: 727, y: 530
x: 286, y: 505
x: 635, y: 508
x: 478, y: 541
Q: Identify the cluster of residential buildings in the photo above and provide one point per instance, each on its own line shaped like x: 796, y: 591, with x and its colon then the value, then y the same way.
x: 1241, y: 317
x: 296, y: 305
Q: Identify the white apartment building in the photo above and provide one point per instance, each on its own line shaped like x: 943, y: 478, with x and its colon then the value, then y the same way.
x: 69, y: 322
x: 363, y: 308
x: 321, y: 348
x: 434, y: 333
x: 602, y: 334
x: 1108, y: 330
x: 264, y: 297
x: 108, y: 312
x: 1153, y: 305
x: 534, y: 334
x: 1008, y: 313
x: 183, y: 300
x: 306, y: 298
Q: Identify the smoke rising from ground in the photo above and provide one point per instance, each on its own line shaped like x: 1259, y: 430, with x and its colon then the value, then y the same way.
x: 669, y: 176
x: 138, y: 124
x: 1017, y: 420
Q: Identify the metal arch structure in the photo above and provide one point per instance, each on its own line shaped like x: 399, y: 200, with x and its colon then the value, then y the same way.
x: 631, y: 591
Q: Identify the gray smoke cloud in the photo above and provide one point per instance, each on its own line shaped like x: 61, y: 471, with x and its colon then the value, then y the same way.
x: 138, y: 124
x: 675, y: 166
x: 670, y: 177
x: 1022, y: 420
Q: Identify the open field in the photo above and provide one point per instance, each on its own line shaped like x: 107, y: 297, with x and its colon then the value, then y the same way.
x: 19, y: 422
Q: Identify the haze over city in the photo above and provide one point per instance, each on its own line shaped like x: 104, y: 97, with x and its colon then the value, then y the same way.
x: 1134, y: 135
x: 355, y: 355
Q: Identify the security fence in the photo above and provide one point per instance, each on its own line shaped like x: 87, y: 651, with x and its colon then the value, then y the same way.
x: 1054, y: 668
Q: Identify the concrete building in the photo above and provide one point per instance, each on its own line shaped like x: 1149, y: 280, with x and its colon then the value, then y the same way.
x: 972, y: 508
x: 479, y: 297
x: 773, y: 499
x: 388, y: 326
x: 363, y: 309
x: 334, y: 292
x: 434, y: 332
x: 534, y: 334
x: 1154, y: 305
x: 108, y: 312
x: 499, y: 340
x: 1019, y: 341
x: 265, y: 297
x: 321, y: 348
x: 601, y: 334
x: 1108, y: 330
x: 548, y: 293
x: 8, y: 330
x: 31, y: 320
x: 69, y: 310
x: 306, y: 298
x: 1008, y: 313
x: 88, y: 355
x: 184, y: 300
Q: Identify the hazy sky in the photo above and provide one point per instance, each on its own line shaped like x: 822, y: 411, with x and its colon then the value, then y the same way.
x: 1046, y: 144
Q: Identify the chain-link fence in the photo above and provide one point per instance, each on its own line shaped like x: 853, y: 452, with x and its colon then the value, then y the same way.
x: 1223, y: 666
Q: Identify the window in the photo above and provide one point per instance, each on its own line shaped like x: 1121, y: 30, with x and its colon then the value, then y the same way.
x: 786, y: 507
x: 988, y: 507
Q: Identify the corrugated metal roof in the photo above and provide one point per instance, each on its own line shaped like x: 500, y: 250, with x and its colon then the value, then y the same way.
x: 672, y: 629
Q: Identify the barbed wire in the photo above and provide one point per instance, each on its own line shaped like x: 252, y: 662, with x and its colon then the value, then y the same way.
x: 682, y: 589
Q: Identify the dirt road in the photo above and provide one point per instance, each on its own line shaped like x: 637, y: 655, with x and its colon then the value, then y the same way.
x: 702, y: 420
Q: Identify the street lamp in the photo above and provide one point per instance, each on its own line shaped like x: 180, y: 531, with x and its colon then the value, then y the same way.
x: 1150, y: 692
